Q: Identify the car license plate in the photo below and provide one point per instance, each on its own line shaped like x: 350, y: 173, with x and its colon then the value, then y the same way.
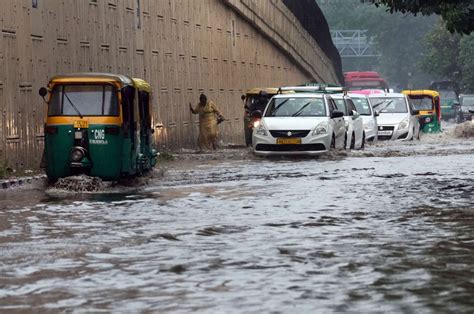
x: 81, y: 124
x: 385, y: 133
x: 288, y: 140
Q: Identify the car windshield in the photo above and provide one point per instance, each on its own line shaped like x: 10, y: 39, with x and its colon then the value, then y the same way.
x: 296, y: 107
x: 389, y: 104
x: 468, y: 101
x: 448, y: 94
x: 362, y: 106
x: 422, y: 103
x: 83, y: 100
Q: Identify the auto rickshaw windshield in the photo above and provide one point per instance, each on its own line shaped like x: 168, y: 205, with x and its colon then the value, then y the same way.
x: 83, y: 100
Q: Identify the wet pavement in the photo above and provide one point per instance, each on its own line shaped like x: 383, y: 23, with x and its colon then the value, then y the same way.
x: 387, y: 229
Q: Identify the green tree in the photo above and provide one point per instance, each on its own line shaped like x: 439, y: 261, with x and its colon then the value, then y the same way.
x: 458, y: 14
x: 450, y: 56
x: 442, y: 57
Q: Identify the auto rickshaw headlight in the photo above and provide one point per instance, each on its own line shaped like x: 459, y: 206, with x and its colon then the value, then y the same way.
x: 76, y: 154
x: 428, y: 120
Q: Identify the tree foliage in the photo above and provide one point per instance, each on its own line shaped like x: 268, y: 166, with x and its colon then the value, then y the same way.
x: 442, y: 56
x: 450, y: 56
x: 458, y: 14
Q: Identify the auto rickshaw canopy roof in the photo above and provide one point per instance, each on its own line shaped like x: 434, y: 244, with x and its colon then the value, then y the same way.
x: 421, y: 92
x: 92, y: 77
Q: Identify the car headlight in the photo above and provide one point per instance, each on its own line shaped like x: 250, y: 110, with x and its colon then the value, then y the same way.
x: 260, y: 130
x: 404, y: 124
x: 256, y: 123
x: 369, y: 125
x: 321, y: 128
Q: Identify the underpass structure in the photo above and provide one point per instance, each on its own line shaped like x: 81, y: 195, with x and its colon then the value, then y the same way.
x: 182, y: 47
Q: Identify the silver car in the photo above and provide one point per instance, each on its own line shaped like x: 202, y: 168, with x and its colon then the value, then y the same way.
x: 369, y: 116
x: 397, y: 119
x: 299, y: 124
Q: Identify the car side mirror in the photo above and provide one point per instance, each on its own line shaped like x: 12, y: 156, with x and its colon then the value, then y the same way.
x: 257, y: 114
x: 243, y: 97
x: 337, y: 114
x: 376, y: 113
x: 355, y: 114
x: 416, y: 112
x: 471, y: 110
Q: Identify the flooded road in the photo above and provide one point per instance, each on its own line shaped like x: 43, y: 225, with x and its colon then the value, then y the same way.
x: 386, y: 229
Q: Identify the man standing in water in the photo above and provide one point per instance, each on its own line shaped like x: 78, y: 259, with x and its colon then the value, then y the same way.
x: 208, y: 119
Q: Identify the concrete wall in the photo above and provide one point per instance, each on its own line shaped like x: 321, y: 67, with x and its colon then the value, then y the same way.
x: 182, y: 47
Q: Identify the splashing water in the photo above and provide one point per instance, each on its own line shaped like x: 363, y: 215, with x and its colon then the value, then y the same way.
x: 80, y: 183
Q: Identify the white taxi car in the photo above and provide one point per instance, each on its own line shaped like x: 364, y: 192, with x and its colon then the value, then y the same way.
x: 397, y: 119
x: 299, y: 124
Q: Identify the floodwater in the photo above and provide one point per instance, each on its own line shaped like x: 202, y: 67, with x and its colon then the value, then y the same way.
x: 388, y: 229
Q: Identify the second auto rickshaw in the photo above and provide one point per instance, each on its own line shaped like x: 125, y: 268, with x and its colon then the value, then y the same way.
x: 428, y: 103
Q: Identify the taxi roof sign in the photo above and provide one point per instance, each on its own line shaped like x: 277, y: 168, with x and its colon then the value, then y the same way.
x: 316, y: 88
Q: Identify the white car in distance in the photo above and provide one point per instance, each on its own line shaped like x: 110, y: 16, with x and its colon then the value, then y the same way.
x: 355, y: 134
x: 300, y: 123
x: 397, y: 119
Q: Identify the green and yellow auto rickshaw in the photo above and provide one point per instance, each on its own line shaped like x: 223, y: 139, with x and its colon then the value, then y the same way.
x: 428, y: 103
x: 99, y: 125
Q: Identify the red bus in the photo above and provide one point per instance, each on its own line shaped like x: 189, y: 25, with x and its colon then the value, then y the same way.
x: 364, y: 80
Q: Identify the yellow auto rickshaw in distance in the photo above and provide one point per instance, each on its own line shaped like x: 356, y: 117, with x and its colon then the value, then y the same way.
x: 428, y: 103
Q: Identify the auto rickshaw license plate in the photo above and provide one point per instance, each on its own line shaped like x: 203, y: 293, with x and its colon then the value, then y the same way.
x: 288, y: 140
x: 81, y: 124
